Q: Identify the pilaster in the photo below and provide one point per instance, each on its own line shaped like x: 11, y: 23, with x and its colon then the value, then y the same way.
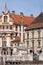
x: 8, y: 39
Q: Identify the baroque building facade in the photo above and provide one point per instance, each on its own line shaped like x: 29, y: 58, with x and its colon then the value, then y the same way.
x: 12, y: 35
x: 20, y: 36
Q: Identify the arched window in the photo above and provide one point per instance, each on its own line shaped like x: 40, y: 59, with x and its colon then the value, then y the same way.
x: 5, y: 18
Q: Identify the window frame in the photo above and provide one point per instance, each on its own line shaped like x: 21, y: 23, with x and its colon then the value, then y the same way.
x: 5, y: 18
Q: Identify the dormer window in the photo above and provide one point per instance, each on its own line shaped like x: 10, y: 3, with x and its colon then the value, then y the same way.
x: 5, y: 18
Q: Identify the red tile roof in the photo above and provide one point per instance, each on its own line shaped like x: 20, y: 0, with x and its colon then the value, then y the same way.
x: 37, y: 23
x: 17, y: 19
x: 38, y: 19
x: 27, y: 19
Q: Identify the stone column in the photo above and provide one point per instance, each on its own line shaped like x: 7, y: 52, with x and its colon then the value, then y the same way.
x: 8, y: 40
x: 18, y: 29
x: 21, y: 33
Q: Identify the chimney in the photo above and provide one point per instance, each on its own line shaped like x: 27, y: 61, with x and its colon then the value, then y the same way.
x: 13, y: 12
x: 3, y: 12
x: 31, y: 15
x: 8, y: 11
x: 21, y: 13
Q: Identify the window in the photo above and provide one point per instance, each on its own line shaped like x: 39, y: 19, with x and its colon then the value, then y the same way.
x: 5, y: 18
x: 39, y: 34
x: 6, y: 27
x: 27, y: 43
x: 4, y: 43
x: 10, y: 27
x: 11, y: 35
x: 32, y: 34
x: 39, y: 44
x: 4, y: 51
x: 3, y: 27
x: 16, y: 28
x: 15, y: 44
x: 27, y: 35
x: 7, y: 52
x: 11, y: 51
x: 16, y: 34
x: 33, y: 43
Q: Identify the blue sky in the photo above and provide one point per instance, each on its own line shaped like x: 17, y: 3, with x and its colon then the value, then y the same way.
x: 26, y: 6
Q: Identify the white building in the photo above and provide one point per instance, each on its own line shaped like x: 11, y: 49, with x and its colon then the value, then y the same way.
x: 35, y: 36
x: 18, y: 37
x: 12, y: 36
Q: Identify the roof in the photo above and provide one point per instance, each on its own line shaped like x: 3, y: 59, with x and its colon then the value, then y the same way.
x: 39, y: 19
x: 26, y: 20
x: 37, y: 23
x: 16, y: 39
x: 17, y: 19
